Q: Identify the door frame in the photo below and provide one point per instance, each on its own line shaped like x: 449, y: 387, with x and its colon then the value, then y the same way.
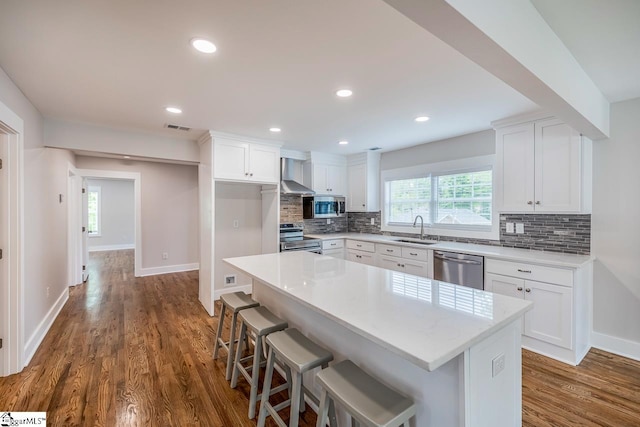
x: 74, y: 223
x: 12, y: 204
x: 136, y: 178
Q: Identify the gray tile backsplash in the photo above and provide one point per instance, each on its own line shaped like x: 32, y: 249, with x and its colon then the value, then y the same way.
x: 547, y: 232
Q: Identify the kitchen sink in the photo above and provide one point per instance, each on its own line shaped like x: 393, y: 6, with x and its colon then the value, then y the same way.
x: 419, y: 242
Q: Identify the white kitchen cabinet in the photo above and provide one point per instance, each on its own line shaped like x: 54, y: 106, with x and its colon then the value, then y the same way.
x: 333, y: 248
x: 326, y: 174
x: 363, y: 182
x: 542, y: 166
x: 245, y: 161
x: 361, y: 257
x: 558, y: 324
x: 405, y: 259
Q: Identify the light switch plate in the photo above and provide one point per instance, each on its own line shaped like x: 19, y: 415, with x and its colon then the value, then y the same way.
x: 373, y: 221
x: 497, y: 365
x: 510, y: 229
x: 519, y: 228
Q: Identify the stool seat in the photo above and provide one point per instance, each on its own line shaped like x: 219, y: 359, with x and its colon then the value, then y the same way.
x: 261, y: 321
x: 238, y: 301
x: 364, y: 397
x: 298, y: 351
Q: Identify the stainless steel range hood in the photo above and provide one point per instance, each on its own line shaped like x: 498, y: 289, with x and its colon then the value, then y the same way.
x: 287, y: 184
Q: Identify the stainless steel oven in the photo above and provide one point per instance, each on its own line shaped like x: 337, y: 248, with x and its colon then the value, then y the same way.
x: 292, y: 238
x: 323, y: 207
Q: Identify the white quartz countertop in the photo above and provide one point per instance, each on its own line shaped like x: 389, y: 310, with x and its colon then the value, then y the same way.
x: 498, y: 252
x: 424, y: 321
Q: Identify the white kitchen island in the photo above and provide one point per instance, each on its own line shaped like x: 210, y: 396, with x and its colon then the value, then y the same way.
x: 454, y: 350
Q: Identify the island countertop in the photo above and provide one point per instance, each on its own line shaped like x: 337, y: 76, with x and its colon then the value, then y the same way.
x: 424, y: 321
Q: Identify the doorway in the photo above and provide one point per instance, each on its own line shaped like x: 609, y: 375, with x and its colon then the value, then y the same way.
x: 81, y: 224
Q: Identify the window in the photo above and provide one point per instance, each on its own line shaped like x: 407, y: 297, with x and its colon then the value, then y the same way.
x: 94, y: 211
x: 453, y: 198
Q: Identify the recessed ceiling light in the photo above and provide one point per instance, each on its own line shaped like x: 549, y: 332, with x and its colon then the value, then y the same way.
x: 421, y: 119
x: 126, y: 157
x: 275, y: 129
x: 174, y: 110
x: 204, y: 46
x: 343, y: 142
x: 344, y: 93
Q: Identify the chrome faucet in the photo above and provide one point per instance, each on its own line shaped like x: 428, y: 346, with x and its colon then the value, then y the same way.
x: 421, y: 225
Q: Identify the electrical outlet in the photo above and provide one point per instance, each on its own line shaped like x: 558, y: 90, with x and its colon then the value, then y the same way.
x: 510, y: 229
x: 328, y: 220
x: 497, y: 365
x: 229, y: 279
x: 165, y: 255
x: 236, y: 223
x: 373, y: 221
x: 519, y: 228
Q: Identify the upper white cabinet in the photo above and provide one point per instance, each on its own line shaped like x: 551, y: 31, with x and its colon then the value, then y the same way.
x: 245, y: 161
x: 542, y: 166
x: 363, y: 182
x: 326, y: 174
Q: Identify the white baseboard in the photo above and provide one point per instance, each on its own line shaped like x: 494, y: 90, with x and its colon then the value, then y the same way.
x: 103, y: 248
x: 152, y: 271
x: 41, y: 331
x: 619, y: 346
x: 247, y: 289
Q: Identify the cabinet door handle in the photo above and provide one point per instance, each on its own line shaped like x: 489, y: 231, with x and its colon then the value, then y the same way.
x: 537, y: 202
x: 246, y: 174
x: 333, y: 244
x: 529, y: 202
x: 251, y: 174
x: 399, y: 265
x: 528, y: 290
x: 524, y: 271
x: 389, y: 250
x: 520, y: 288
x: 359, y: 246
x: 412, y: 254
x: 363, y: 205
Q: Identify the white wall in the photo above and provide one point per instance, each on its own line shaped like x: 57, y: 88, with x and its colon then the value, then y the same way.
x: 81, y: 136
x: 465, y: 146
x: 45, y: 219
x: 616, y: 227
x: 169, y: 209
x: 117, y: 215
x: 241, y: 202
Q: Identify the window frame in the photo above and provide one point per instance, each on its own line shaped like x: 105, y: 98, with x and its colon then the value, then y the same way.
x: 433, y: 170
x: 95, y: 189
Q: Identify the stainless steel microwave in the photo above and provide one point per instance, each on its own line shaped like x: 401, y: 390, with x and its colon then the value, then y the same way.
x: 323, y: 207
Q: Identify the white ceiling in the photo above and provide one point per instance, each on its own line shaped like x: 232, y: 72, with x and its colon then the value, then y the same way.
x: 604, y: 37
x: 119, y: 63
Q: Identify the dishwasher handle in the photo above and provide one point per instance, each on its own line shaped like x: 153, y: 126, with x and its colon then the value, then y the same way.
x: 459, y: 261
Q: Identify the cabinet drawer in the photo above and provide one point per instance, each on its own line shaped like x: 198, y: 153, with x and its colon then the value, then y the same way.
x: 389, y: 250
x: 414, y: 253
x: 333, y: 244
x: 558, y: 276
x: 361, y: 246
x: 361, y: 257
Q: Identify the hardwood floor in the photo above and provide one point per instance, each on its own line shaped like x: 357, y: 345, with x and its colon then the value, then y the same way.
x: 129, y: 351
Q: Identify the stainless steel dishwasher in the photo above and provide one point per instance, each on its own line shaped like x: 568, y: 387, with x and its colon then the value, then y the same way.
x: 460, y: 269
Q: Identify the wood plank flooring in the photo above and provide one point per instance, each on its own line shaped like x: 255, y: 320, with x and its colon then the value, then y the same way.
x: 129, y: 351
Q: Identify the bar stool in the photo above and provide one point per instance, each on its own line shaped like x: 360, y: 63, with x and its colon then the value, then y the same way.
x: 260, y: 322
x: 235, y: 302
x: 367, y: 400
x: 299, y: 354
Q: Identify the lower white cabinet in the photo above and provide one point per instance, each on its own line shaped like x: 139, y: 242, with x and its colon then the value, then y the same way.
x: 558, y: 324
x: 416, y: 268
x: 333, y: 248
x: 361, y: 257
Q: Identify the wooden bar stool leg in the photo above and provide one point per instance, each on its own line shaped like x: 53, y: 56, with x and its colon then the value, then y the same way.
x: 216, y: 347
x: 266, y: 389
x: 296, y: 391
x: 255, y: 377
x: 232, y: 342
x: 236, y: 371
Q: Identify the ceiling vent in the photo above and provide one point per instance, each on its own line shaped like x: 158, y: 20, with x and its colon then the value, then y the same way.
x: 375, y: 148
x: 176, y: 127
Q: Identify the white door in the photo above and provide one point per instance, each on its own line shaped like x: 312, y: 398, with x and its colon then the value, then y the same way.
x: 505, y: 285
x: 4, y: 285
x: 337, y: 180
x: 320, y: 179
x: 550, y: 318
x: 558, y: 167
x: 85, y: 229
x: 515, y: 168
